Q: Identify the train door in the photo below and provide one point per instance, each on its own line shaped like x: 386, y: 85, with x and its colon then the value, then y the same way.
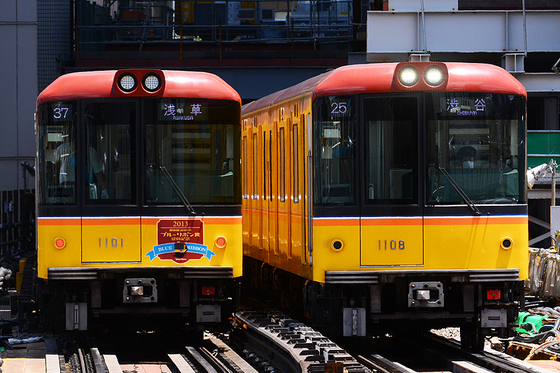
x: 109, y: 158
x: 307, y: 146
x: 254, y: 197
x: 391, y: 222
x: 296, y: 212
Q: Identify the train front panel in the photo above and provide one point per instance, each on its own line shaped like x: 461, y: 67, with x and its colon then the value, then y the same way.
x: 419, y: 197
x: 139, y: 196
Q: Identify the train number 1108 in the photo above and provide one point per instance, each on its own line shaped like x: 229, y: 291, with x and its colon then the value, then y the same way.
x: 393, y: 244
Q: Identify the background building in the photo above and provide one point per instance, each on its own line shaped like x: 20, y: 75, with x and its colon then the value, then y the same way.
x: 18, y: 27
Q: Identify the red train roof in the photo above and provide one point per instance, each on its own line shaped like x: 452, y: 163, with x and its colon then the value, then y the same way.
x: 102, y: 84
x: 378, y: 78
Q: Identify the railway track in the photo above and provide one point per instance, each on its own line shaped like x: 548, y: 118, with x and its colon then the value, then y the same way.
x: 272, y: 342
x: 434, y: 353
x: 294, y: 347
x: 212, y: 356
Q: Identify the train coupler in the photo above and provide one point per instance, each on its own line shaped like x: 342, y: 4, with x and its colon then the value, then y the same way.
x: 425, y: 294
x: 140, y: 290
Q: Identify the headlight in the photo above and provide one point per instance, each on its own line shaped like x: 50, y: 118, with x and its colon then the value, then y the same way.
x: 408, y: 76
x: 434, y: 76
x: 151, y: 82
x: 127, y: 82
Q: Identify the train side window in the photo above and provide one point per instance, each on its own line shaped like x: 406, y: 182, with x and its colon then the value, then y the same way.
x: 282, y: 166
x: 270, y: 165
x: 264, y: 176
x: 245, y: 170
x: 255, y: 167
x: 296, y: 163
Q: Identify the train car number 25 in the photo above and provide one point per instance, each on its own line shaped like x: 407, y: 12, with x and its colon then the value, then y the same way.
x: 392, y: 244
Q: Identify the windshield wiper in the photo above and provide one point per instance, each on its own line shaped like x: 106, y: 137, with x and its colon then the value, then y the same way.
x: 177, y: 190
x: 461, y: 192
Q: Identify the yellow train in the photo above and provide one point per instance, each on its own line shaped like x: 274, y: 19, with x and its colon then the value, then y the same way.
x: 138, y: 197
x: 383, y: 193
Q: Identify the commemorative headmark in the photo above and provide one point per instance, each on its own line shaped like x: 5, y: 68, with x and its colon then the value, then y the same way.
x: 180, y: 240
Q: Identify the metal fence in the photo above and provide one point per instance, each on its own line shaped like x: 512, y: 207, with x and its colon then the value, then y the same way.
x: 101, y: 27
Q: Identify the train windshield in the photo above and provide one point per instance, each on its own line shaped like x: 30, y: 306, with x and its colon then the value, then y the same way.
x: 191, y: 149
x: 104, y: 164
x: 476, y: 148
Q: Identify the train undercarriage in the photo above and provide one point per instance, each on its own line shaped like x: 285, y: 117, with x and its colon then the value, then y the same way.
x: 127, y: 300
x: 394, y: 301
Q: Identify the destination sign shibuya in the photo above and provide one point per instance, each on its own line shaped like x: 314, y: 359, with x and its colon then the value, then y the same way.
x: 465, y: 106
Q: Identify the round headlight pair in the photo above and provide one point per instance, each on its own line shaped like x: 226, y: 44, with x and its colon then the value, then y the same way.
x: 433, y: 76
x: 151, y: 82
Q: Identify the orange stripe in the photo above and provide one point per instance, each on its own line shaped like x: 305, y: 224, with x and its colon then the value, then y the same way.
x: 449, y: 220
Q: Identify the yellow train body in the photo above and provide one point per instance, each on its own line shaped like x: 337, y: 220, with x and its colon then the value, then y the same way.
x: 419, y: 244
x: 128, y: 242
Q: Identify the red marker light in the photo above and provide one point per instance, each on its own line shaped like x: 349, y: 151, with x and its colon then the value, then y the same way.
x: 59, y: 243
x: 221, y: 242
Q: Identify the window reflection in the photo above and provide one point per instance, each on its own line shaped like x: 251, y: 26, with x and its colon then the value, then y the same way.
x: 475, y: 138
x: 57, y: 153
x: 391, y: 149
x: 110, y: 159
x: 335, y: 127
x: 197, y: 151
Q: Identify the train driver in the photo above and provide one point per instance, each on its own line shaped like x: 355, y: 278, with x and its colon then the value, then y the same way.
x: 466, y: 156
